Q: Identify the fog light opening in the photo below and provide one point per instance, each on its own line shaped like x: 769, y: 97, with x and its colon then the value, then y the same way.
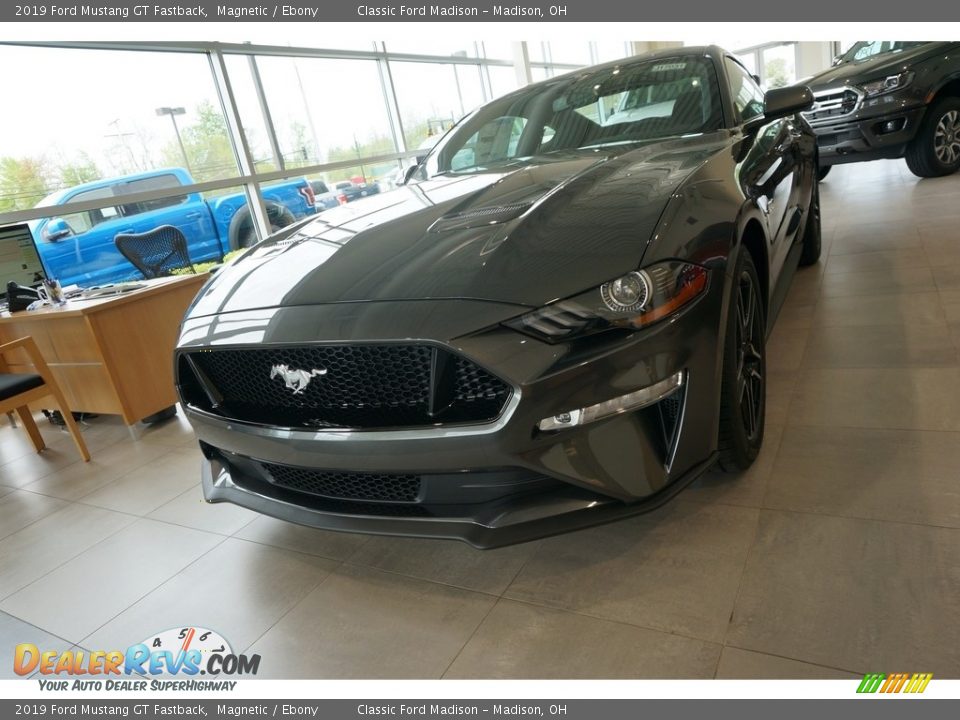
x: 891, y: 126
x: 625, y: 403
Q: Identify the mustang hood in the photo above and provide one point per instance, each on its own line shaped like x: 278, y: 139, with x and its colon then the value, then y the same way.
x: 523, y: 234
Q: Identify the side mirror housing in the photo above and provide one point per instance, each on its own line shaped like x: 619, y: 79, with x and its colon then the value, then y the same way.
x: 408, y: 173
x: 57, y: 229
x: 781, y: 102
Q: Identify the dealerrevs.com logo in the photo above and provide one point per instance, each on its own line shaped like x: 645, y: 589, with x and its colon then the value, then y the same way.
x: 170, y: 660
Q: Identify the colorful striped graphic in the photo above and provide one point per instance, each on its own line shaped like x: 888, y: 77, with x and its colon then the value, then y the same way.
x: 895, y: 683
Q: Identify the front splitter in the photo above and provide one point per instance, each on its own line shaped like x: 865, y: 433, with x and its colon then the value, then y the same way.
x: 514, y: 520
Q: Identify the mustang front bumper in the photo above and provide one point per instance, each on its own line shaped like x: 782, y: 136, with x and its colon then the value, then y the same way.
x: 505, y: 481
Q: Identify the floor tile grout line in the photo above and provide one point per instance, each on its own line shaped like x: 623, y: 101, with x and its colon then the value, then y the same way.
x: 743, y: 506
x: 294, y: 606
x: 34, y: 625
x: 36, y: 520
x: 473, y: 634
x: 133, y: 519
x: 151, y: 590
x: 440, y: 583
x: 580, y: 613
x: 743, y: 573
x: 794, y: 659
x: 79, y: 464
x: 905, y: 523
x: 500, y: 598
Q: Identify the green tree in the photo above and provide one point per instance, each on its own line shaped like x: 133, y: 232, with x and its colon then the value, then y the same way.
x: 376, y: 145
x: 83, y: 170
x: 23, y: 182
x: 206, y: 144
x: 776, y: 70
x: 302, y: 151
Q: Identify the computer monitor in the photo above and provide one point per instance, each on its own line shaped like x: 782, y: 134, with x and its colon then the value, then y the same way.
x: 19, y: 259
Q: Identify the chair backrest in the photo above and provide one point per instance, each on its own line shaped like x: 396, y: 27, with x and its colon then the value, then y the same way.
x: 156, y: 252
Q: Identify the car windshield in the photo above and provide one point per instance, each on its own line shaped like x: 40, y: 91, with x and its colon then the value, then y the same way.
x: 626, y: 103
x: 867, y: 49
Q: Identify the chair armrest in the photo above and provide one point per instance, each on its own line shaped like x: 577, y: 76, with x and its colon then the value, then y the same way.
x: 30, y: 346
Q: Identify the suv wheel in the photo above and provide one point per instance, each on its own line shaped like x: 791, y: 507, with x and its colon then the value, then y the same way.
x: 744, y: 381
x: 935, y: 151
x: 823, y: 170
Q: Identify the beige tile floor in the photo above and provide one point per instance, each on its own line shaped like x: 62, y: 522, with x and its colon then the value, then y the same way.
x: 838, y: 553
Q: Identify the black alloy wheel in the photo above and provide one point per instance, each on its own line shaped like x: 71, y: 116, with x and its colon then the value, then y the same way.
x: 743, y: 391
x: 935, y: 151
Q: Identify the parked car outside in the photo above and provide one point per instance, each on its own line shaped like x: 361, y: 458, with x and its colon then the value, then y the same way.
x: 559, y: 321
x: 890, y: 99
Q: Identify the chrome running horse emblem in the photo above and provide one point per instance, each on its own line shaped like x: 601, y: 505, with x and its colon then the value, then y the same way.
x: 295, y: 379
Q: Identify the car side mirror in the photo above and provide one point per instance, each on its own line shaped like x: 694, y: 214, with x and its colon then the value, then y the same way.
x: 408, y: 173
x: 781, y: 102
x: 57, y: 229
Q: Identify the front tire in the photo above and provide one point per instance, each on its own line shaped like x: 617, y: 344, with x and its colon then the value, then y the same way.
x: 823, y: 171
x: 935, y: 151
x: 744, y: 378
x: 812, y: 233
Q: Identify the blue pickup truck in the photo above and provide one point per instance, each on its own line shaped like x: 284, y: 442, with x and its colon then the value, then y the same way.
x: 78, y: 248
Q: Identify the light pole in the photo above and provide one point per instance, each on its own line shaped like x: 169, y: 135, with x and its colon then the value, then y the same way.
x: 173, y: 112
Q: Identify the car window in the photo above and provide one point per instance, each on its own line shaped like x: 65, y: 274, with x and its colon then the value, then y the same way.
x: 496, y: 141
x: 154, y: 182
x: 747, y: 95
x: 629, y: 102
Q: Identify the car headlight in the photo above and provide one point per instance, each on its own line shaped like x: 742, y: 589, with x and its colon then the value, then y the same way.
x: 887, y: 84
x: 632, y: 301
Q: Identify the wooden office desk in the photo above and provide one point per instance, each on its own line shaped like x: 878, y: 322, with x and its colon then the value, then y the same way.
x: 112, y: 355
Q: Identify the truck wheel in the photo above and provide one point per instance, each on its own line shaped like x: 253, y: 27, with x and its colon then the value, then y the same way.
x: 242, y: 233
x: 823, y: 171
x: 935, y: 151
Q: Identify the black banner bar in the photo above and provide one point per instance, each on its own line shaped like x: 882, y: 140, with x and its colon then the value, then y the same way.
x: 480, y: 11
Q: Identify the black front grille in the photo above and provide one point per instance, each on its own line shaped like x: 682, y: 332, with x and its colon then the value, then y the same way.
x: 833, y: 105
x: 374, y: 487
x: 341, y: 386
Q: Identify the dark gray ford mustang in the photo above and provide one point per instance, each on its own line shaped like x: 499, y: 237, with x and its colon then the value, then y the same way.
x: 558, y: 321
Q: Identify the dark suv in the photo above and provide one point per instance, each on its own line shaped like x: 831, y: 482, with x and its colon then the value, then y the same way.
x: 890, y: 99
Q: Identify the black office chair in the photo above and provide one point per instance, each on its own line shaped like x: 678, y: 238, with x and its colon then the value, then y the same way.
x: 157, y: 252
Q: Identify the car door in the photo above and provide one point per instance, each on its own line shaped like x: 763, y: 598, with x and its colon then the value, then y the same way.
x: 771, y: 170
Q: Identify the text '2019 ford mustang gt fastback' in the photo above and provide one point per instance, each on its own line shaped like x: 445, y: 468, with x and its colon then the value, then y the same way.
x: 559, y: 320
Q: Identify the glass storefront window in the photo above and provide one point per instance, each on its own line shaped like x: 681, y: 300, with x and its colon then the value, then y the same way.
x: 502, y: 80
x: 440, y: 48
x: 432, y: 97
x: 572, y: 52
x: 749, y: 61
x: 86, y: 114
x: 79, y: 247
x: 612, y: 50
x: 326, y: 110
x: 498, y: 49
x: 779, y: 65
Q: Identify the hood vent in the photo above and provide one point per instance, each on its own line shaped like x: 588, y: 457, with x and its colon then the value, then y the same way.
x: 482, y: 216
